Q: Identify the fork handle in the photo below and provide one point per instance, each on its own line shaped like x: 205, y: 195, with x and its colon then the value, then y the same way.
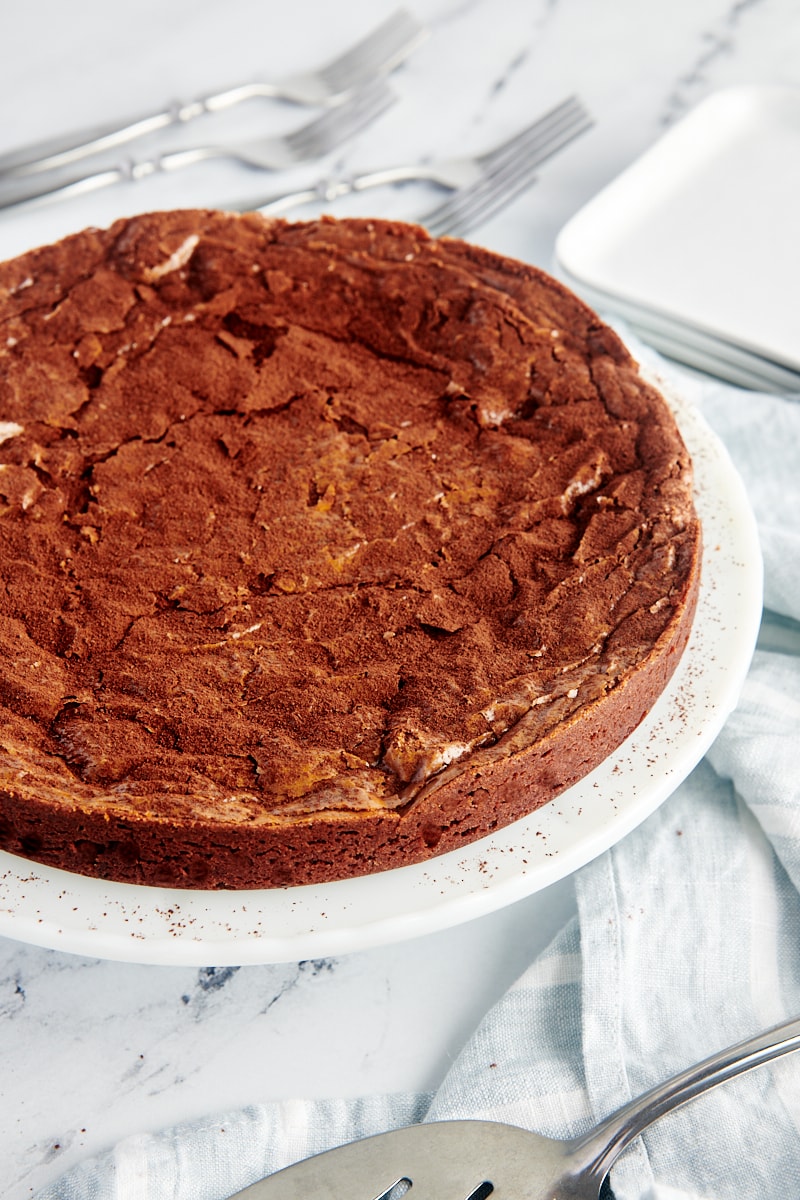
x: 58, y: 186
x: 595, y: 1153
x: 445, y: 175
x: 63, y: 151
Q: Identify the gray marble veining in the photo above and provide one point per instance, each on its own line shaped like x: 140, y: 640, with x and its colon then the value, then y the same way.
x: 95, y: 1050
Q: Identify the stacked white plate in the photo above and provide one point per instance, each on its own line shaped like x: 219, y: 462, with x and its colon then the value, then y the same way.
x: 697, y: 244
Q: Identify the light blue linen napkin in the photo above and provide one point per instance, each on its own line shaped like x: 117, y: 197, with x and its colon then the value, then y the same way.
x: 687, y: 938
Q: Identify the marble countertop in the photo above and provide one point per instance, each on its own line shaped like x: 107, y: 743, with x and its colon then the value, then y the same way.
x: 93, y: 1050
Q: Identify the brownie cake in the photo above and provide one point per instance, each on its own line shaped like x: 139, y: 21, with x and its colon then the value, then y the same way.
x: 325, y: 548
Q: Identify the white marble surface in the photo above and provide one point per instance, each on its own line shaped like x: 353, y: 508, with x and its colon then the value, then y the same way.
x: 93, y: 1050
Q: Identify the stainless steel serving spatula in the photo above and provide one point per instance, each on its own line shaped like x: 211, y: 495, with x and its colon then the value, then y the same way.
x: 471, y: 1160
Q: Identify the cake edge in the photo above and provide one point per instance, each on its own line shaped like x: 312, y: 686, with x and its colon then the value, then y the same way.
x: 341, y: 845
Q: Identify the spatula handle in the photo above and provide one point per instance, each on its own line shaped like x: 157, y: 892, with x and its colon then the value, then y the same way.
x: 600, y: 1148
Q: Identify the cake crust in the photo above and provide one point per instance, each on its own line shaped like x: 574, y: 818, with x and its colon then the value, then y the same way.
x: 325, y: 548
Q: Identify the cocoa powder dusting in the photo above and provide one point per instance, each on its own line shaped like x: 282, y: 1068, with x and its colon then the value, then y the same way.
x: 302, y: 519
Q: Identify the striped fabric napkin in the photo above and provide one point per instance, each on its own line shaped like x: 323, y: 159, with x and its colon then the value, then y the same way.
x: 687, y: 938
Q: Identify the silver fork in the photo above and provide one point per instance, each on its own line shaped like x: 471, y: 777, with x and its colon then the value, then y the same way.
x: 480, y: 183
x: 375, y: 55
x: 510, y: 174
x: 313, y: 140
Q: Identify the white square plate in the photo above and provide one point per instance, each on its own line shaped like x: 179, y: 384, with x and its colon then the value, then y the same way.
x: 705, y: 226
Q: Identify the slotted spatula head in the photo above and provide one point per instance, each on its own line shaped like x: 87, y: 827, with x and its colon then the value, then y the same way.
x: 445, y: 1160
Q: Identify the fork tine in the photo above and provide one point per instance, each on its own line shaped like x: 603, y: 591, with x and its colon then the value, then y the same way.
x: 556, y: 136
x: 378, y: 53
x: 564, y: 114
x: 336, y: 125
x: 479, y: 202
x: 469, y: 206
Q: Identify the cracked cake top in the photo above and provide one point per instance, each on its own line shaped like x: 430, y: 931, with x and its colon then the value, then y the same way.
x: 299, y: 517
